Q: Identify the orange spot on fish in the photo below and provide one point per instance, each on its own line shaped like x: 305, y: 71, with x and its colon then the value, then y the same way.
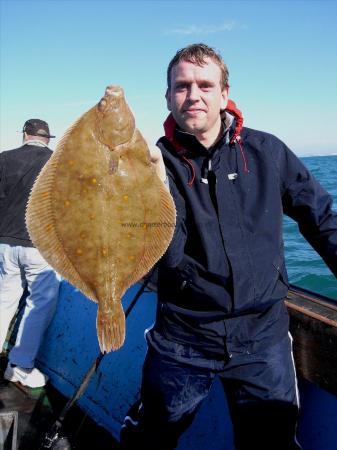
x: 93, y: 180
x: 125, y: 198
x: 71, y: 162
x: 67, y: 203
x: 49, y: 227
x: 83, y: 235
x: 92, y: 216
x: 131, y: 258
x: 45, y: 194
x: 104, y: 251
x: 79, y: 251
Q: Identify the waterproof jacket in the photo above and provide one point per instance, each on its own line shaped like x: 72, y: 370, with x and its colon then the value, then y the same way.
x: 226, y: 259
x: 18, y: 171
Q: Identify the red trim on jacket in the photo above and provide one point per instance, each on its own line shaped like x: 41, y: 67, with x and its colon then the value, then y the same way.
x: 170, y: 125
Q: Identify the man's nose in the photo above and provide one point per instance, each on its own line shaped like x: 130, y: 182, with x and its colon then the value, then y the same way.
x: 193, y: 93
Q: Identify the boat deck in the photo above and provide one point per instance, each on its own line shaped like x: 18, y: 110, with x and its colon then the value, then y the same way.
x: 111, y: 393
x: 39, y: 408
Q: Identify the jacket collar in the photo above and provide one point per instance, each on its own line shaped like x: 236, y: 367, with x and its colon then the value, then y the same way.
x: 36, y: 143
x: 231, y: 118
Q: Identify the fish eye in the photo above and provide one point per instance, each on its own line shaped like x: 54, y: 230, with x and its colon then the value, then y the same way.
x: 102, y: 104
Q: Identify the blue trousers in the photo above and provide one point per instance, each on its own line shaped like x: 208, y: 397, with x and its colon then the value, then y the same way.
x: 21, y: 267
x: 260, y: 388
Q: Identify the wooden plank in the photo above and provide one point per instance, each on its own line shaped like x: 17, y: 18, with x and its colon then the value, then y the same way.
x: 313, y: 325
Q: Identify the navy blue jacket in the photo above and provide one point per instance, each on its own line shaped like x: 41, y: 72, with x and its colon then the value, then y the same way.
x: 223, y: 276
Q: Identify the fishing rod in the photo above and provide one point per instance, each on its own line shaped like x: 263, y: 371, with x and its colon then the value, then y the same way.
x: 53, y: 439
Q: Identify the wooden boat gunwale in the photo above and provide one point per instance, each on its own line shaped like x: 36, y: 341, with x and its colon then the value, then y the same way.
x: 313, y: 326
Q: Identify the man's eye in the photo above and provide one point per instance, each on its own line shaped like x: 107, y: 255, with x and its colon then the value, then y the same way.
x: 205, y: 86
x: 180, y: 87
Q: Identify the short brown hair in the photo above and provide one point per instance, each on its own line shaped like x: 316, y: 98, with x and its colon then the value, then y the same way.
x: 196, y: 54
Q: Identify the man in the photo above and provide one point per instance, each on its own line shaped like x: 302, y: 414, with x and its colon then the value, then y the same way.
x: 222, y: 282
x: 21, y: 265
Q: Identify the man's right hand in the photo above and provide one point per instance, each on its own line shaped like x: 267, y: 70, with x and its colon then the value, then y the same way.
x: 158, y: 163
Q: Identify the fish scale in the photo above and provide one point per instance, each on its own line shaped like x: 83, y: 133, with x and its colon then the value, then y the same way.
x: 98, y: 212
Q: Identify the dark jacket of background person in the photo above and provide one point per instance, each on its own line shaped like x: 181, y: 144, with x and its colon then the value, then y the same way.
x: 18, y: 171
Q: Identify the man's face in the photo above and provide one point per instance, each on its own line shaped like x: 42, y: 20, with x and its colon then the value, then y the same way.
x: 195, y: 98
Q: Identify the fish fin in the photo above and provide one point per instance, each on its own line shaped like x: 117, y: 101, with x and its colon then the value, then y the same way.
x: 110, y: 329
x: 42, y: 230
x: 157, y: 238
x: 69, y: 131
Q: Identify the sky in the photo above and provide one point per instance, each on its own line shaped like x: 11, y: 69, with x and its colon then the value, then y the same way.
x: 57, y: 57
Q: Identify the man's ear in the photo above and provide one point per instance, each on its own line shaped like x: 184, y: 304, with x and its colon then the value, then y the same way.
x: 224, y: 99
x: 168, y: 99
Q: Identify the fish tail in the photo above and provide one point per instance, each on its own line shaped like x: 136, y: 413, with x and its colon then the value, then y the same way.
x: 110, y: 328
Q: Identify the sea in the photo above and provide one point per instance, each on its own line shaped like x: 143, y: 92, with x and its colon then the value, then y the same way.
x: 305, y: 267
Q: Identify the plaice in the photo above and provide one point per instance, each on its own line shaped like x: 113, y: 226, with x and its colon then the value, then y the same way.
x: 98, y: 212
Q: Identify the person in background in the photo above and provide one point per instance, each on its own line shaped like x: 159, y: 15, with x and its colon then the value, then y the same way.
x: 222, y: 282
x: 21, y: 264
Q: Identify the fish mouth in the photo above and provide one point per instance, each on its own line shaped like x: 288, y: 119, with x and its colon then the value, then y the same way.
x: 112, y: 95
x: 114, y: 91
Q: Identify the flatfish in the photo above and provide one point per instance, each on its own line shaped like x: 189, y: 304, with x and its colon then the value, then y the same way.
x: 98, y: 212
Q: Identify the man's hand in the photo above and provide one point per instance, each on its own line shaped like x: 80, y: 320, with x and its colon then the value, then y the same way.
x: 158, y: 163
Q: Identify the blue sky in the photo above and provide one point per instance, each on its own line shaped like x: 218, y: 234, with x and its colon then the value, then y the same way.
x: 57, y: 57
